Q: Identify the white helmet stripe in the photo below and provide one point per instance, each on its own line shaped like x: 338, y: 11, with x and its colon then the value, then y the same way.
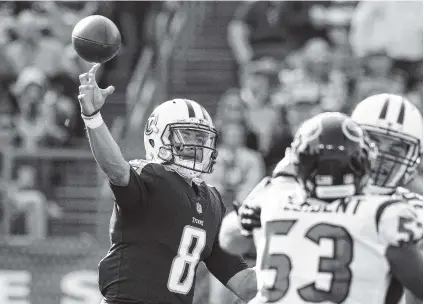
x: 206, y: 115
x: 197, y: 110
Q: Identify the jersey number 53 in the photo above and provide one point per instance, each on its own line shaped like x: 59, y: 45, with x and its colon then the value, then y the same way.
x: 335, y: 265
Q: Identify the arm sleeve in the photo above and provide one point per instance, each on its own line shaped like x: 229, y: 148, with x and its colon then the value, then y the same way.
x: 135, y: 194
x: 230, y: 237
x: 398, y: 223
x: 224, y: 265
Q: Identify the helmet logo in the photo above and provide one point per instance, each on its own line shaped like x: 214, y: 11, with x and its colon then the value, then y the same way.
x: 307, y: 133
x: 151, y: 124
x: 352, y: 130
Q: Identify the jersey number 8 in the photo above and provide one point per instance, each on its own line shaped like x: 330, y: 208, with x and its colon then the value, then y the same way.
x: 183, y: 266
x: 337, y: 265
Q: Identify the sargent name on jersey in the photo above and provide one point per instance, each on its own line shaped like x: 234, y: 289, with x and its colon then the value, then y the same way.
x: 340, y: 206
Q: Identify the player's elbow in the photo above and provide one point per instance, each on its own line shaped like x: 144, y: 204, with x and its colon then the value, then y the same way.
x: 406, y: 263
x: 230, y: 238
x: 119, y: 177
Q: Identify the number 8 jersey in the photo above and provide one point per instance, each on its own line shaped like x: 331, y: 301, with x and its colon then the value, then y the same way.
x: 311, y: 251
x: 160, y: 230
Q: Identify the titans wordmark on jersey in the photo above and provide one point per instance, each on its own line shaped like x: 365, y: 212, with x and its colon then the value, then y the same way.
x: 314, y: 252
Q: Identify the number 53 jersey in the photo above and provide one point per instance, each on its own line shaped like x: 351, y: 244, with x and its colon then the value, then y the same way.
x: 317, y: 252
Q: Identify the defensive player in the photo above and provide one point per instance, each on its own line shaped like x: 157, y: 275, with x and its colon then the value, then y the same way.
x: 396, y: 126
x: 165, y: 220
x: 336, y: 246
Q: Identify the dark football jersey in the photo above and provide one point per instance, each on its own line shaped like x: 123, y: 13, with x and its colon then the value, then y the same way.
x: 160, y: 229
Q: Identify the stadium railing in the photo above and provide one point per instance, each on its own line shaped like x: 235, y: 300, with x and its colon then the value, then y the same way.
x: 67, y: 177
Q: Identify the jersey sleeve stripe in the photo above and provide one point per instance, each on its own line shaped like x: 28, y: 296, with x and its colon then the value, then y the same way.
x: 394, y: 292
x: 283, y: 174
x: 381, y: 209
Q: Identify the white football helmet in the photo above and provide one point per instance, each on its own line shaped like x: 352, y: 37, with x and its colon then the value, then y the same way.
x: 180, y: 133
x: 396, y: 126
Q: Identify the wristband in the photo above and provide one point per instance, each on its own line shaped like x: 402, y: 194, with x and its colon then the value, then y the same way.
x: 93, y: 121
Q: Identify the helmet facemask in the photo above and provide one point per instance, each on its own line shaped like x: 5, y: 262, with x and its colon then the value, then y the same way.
x: 189, y: 147
x: 397, y: 158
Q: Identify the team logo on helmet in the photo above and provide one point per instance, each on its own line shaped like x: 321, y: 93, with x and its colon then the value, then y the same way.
x: 307, y: 133
x: 352, y: 131
x: 151, y: 123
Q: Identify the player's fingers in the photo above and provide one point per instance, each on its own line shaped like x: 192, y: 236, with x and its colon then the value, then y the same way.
x: 85, y: 87
x: 109, y: 90
x: 246, y: 233
x: 80, y: 96
x: 250, y: 222
x: 93, y: 71
x: 83, y: 78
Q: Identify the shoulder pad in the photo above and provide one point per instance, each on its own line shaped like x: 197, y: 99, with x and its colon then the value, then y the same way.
x: 138, y: 164
x: 407, y: 194
x: 284, y: 167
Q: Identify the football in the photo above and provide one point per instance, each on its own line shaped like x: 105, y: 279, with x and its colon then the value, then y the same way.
x: 96, y: 39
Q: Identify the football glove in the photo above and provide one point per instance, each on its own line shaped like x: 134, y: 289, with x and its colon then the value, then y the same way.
x: 249, y: 219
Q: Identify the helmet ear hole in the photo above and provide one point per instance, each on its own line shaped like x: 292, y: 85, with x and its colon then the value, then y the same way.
x: 152, y: 143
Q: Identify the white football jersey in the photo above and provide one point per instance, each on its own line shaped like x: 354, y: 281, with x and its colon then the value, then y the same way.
x: 317, y: 252
x: 414, y: 199
x: 264, y: 195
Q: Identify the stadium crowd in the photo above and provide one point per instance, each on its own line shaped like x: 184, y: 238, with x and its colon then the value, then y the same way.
x: 39, y: 86
x: 292, y: 60
x: 330, y: 56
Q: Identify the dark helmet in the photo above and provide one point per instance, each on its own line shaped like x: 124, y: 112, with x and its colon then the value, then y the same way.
x: 331, y: 156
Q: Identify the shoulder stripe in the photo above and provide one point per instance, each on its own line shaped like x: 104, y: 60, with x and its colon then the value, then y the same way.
x: 394, y: 292
x: 138, y: 164
x: 284, y: 174
x: 382, y: 207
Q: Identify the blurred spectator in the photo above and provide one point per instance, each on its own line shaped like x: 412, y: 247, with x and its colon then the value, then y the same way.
x: 65, y: 106
x: 379, y: 76
x: 232, y: 109
x: 270, y: 28
x: 32, y: 48
x: 316, y: 77
x: 35, y: 122
x: 415, y: 95
x: 25, y: 200
x: 264, y: 117
x: 7, y: 21
x: 394, y: 28
x: 238, y: 169
x: 64, y: 15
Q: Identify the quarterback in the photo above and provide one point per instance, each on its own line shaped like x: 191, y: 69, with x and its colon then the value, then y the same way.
x: 336, y: 245
x: 165, y: 219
